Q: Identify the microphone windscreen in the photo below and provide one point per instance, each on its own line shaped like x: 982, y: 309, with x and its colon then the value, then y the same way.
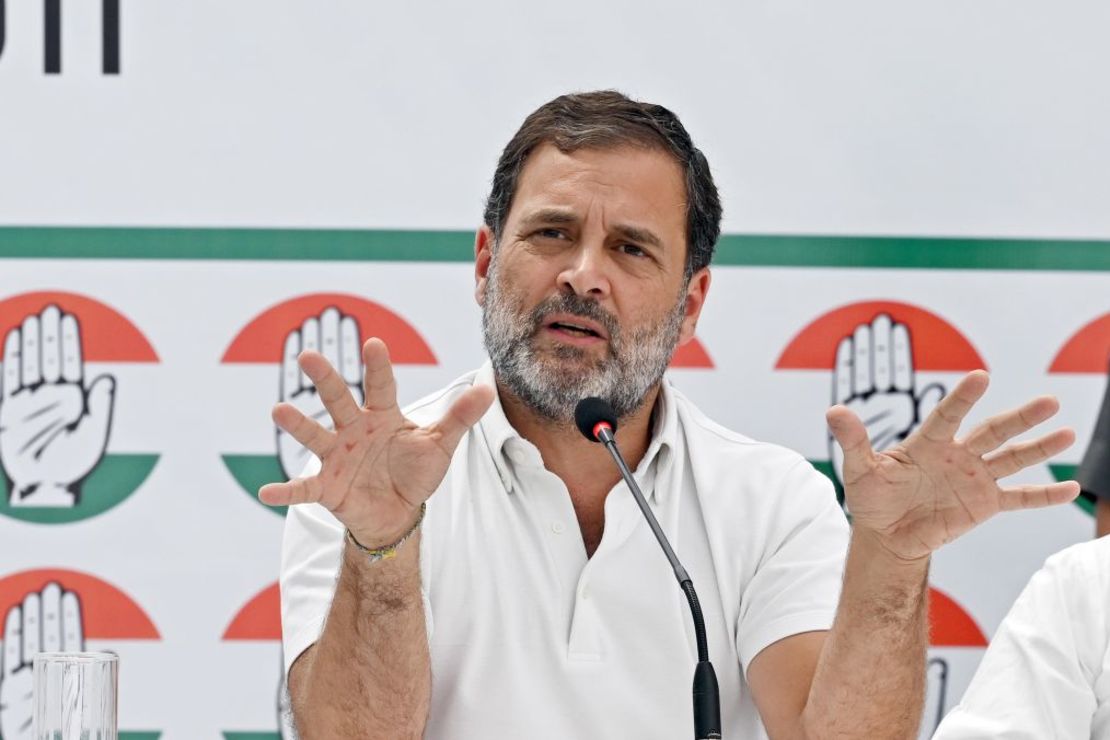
x: 591, y: 411
x: 1094, y: 472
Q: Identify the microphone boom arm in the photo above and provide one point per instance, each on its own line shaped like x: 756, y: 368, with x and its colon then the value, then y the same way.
x: 707, y: 701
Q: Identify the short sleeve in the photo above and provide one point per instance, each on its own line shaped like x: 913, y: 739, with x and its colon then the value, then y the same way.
x: 1036, y: 679
x: 796, y: 584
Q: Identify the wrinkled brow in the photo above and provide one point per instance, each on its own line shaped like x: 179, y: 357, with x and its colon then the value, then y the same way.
x: 559, y: 216
x: 638, y: 235
x: 556, y: 216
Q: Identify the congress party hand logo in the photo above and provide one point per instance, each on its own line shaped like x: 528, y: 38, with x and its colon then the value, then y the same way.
x: 56, y: 413
x: 46, y: 621
x: 286, y: 729
x: 336, y: 337
x: 54, y: 424
x: 334, y: 324
x: 259, y: 622
x: 51, y: 610
x: 936, y: 691
x: 877, y: 352
x: 956, y: 645
x: 874, y: 377
x: 1083, y: 360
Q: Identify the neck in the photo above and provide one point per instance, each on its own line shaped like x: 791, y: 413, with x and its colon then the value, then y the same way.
x: 580, y: 463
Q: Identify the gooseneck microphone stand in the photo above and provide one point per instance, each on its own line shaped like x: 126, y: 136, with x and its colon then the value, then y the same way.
x: 597, y: 422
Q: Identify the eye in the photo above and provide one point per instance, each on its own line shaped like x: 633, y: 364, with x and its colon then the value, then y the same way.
x: 633, y: 251
x: 550, y: 234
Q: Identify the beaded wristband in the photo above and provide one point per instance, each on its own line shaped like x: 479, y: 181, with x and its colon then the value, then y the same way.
x: 389, y: 551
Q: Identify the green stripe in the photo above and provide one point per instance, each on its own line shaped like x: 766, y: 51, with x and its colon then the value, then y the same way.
x: 236, y: 244
x: 912, y: 252
x: 457, y: 246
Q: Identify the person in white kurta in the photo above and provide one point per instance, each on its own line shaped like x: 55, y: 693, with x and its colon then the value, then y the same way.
x: 1046, y: 673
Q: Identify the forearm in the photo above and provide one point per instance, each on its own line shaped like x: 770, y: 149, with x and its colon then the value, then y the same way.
x: 368, y: 675
x: 870, y: 678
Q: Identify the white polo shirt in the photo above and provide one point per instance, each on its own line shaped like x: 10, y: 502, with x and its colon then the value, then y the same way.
x: 1046, y: 673
x: 529, y: 638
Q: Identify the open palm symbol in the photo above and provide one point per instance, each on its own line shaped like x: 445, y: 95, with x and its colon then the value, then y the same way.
x: 336, y: 337
x: 53, y: 427
x: 874, y: 377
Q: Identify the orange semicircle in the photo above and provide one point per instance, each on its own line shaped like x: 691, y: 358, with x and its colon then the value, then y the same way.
x: 106, y: 334
x: 262, y: 340
x: 259, y: 619
x: 692, y: 355
x: 937, y: 345
x: 1088, y: 350
x: 950, y: 625
x: 106, y: 612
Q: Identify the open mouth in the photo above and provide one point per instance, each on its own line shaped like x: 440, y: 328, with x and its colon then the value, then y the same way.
x: 577, y: 330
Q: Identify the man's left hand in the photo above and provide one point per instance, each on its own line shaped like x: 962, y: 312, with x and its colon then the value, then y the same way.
x: 932, y: 487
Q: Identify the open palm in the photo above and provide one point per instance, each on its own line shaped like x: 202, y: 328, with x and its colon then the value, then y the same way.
x: 932, y: 487
x: 377, y: 467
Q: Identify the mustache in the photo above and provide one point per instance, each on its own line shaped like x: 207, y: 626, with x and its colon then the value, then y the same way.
x: 575, y: 305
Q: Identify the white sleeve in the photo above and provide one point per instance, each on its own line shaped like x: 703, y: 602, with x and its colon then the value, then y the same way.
x: 310, y: 554
x: 796, y: 585
x: 1036, y: 679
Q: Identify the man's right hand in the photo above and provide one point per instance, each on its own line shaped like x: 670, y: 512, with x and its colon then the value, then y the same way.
x: 377, y: 466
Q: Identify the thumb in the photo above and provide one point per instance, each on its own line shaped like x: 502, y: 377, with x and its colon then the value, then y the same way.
x: 463, y: 414
x: 100, y: 398
x: 851, y: 435
x: 931, y: 396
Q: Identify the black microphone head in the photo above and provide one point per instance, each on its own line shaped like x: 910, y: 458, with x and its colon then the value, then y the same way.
x: 1094, y: 472
x: 593, y: 411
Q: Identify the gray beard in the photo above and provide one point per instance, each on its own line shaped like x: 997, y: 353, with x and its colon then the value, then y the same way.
x: 552, y: 382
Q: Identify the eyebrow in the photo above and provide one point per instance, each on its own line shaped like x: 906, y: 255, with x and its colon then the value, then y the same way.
x: 559, y: 216
x: 549, y: 216
x: 636, y: 234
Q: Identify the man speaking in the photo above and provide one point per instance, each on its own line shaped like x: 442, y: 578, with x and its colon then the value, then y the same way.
x: 475, y: 568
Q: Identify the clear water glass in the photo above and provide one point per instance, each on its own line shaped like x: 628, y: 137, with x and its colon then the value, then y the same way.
x: 75, y: 696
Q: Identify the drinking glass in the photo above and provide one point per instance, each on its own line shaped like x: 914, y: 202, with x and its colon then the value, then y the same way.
x: 75, y: 696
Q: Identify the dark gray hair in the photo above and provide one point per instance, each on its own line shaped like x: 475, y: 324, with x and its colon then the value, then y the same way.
x: 606, y: 119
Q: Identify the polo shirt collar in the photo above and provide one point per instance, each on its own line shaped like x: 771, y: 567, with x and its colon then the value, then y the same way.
x: 658, y: 458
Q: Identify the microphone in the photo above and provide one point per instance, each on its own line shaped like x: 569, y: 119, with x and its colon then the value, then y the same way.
x: 597, y: 422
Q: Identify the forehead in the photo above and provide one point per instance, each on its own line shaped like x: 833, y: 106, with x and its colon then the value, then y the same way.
x: 640, y: 185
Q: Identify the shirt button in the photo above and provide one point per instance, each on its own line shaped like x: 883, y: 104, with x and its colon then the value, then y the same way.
x: 516, y: 452
x: 558, y: 527
x: 585, y: 593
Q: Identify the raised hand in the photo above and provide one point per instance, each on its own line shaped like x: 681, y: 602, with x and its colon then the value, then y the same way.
x: 377, y: 467
x: 874, y: 378
x: 53, y: 427
x: 45, y: 622
x: 931, y: 488
x: 336, y: 337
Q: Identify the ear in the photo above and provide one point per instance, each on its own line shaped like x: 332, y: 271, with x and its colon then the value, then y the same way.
x: 483, y: 255
x: 696, y: 292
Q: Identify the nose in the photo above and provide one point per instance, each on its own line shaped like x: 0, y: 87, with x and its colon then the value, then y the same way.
x: 585, y: 272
